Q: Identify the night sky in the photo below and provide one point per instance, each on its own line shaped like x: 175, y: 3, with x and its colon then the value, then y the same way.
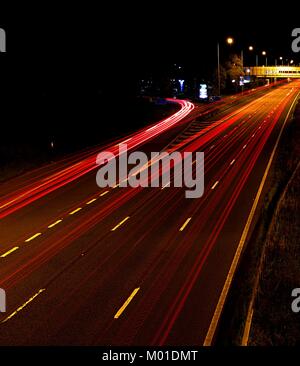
x: 130, y: 40
x: 72, y: 55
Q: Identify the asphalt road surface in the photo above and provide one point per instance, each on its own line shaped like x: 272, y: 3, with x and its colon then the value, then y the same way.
x: 135, y: 266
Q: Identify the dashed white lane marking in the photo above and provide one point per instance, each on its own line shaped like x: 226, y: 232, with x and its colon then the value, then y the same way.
x: 185, y: 224
x: 75, y: 211
x: 54, y: 224
x: 214, y: 186
x: 9, y: 252
x: 32, y: 237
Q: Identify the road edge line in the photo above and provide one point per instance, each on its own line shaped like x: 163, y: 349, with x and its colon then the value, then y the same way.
x: 219, y: 308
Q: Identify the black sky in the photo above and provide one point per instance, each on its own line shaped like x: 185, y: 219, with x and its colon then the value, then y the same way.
x: 117, y: 38
x: 104, y: 48
x: 67, y: 63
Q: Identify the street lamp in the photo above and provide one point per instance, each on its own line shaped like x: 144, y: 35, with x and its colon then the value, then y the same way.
x: 292, y: 61
x: 229, y: 41
x: 264, y: 53
x: 281, y: 58
x: 251, y: 48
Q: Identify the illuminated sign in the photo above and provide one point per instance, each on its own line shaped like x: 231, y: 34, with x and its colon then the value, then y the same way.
x: 247, y: 79
x: 181, y: 82
x: 203, y: 91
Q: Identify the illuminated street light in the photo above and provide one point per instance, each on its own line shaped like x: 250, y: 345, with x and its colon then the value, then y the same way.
x: 281, y: 58
x: 264, y: 53
x: 229, y: 41
x: 251, y: 48
x: 292, y: 61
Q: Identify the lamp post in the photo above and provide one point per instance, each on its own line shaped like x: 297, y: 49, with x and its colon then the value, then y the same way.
x: 251, y: 48
x: 281, y: 58
x: 229, y: 41
x: 264, y: 53
x: 219, y: 77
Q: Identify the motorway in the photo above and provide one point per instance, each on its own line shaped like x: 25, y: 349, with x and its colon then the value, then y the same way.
x: 135, y: 266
